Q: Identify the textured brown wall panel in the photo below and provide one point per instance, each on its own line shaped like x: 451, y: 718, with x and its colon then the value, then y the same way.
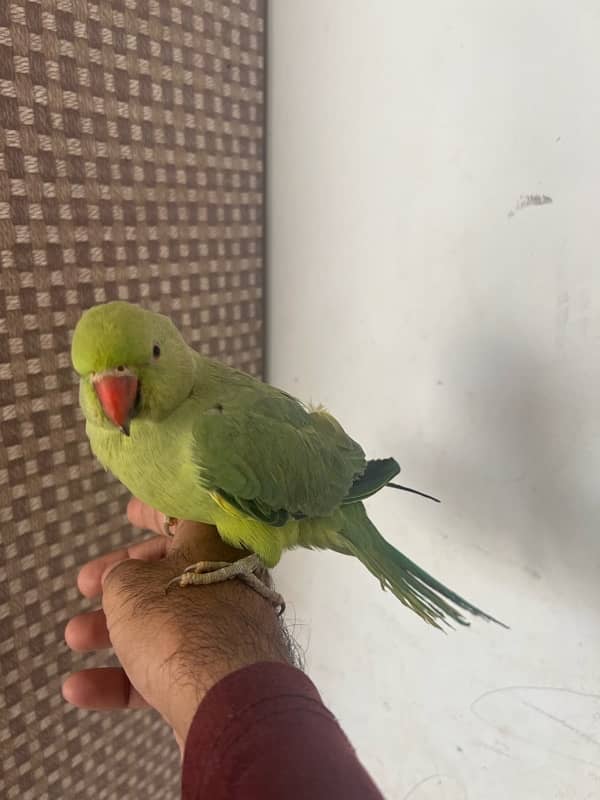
x: 131, y: 137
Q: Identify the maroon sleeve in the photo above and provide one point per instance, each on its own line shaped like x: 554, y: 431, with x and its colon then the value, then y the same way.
x: 263, y: 733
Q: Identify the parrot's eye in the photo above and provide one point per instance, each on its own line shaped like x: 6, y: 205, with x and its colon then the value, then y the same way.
x: 156, y: 351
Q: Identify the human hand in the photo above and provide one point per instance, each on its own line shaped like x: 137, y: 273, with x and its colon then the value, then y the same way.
x: 171, y: 647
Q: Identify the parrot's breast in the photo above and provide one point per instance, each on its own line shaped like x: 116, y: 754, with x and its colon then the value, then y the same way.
x: 155, y: 463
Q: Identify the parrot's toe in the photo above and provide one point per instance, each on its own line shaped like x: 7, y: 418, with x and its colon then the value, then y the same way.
x: 205, y: 573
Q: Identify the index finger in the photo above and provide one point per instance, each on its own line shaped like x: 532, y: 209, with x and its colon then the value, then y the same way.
x: 145, y: 517
x: 194, y: 541
x: 89, y: 580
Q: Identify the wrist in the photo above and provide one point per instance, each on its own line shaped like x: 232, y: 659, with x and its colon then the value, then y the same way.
x: 220, y: 629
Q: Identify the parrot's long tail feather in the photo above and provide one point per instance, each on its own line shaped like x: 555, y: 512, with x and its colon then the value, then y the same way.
x: 415, y: 588
x: 413, y: 491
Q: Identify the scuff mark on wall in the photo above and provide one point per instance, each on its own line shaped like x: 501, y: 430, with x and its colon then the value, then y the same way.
x: 527, y: 200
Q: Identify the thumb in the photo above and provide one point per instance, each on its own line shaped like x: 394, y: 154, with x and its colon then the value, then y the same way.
x: 196, y: 541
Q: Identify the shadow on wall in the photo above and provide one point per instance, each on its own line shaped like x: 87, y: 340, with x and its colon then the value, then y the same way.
x: 521, y: 456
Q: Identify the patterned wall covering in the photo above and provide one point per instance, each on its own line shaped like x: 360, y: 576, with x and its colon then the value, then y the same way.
x: 131, y: 166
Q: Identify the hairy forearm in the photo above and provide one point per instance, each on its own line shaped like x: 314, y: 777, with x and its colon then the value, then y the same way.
x: 199, y: 635
x: 234, y: 627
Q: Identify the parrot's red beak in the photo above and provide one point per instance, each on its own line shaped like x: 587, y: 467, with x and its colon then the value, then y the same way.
x: 117, y: 395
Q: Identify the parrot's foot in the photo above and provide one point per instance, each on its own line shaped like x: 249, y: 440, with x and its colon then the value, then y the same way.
x: 206, y: 572
x: 168, y: 526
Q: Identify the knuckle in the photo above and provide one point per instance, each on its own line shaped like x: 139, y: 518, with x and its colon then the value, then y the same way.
x: 126, y: 577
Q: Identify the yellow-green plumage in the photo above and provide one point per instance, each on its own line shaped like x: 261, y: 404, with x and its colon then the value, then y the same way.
x: 212, y: 444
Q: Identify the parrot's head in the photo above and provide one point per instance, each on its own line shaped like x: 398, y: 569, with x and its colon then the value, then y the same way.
x: 132, y: 363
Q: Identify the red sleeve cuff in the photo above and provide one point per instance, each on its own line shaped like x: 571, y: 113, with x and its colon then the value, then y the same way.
x: 263, y: 732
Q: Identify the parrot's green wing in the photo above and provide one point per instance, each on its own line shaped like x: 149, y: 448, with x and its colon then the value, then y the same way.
x: 378, y: 473
x: 275, y: 460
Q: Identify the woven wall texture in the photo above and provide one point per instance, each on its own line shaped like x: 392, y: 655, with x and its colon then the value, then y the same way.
x: 131, y: 137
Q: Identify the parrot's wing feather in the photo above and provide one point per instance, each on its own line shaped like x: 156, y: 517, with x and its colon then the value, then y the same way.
x: 257, y: 510
x: 379, y: 473
x: 273, y: 459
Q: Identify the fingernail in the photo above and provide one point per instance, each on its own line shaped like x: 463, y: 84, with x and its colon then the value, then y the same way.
x: 65, y: 690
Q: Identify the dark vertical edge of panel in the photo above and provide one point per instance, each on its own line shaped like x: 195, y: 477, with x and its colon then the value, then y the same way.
x: 265, y: 226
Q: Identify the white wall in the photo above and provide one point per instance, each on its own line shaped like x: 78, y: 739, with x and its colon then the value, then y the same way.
x: 464, y: 341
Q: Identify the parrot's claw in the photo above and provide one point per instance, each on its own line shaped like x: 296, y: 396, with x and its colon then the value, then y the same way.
x: 264, y: 590
x: 206, y: 572
x: 168, y: 526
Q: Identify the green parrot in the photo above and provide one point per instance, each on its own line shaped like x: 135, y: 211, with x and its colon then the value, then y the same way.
x: 201, y: 441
